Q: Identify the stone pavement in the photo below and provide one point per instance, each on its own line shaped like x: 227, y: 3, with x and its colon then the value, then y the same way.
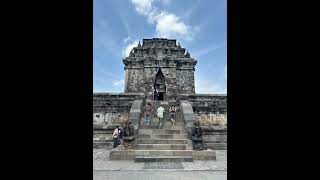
x: 104, y: 169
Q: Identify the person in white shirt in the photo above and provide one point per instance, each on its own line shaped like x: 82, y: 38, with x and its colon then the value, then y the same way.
x: 160, y: 112
x: 115, y: 135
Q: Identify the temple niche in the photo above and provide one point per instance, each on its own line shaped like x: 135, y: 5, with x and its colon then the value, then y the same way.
x: 160, y: 85
x: 159, y: 65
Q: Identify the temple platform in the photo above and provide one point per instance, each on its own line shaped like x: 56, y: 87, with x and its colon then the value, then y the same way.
x: 168, y: 144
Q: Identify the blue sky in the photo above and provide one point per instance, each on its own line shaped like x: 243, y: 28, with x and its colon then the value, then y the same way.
x: 199, y: 25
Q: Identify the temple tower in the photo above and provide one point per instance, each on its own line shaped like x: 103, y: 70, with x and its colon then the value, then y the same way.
x: 159, y: 64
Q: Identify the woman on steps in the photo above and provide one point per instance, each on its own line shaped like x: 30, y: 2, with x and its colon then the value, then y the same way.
x: 172, y: 114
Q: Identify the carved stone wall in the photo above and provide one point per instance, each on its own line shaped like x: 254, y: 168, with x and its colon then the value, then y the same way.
x: 209, y: 119
x: 111, y: 108
x: 134, y: 81
x: 157, y: 54
x: 185, y: 82
x: 209, y: 109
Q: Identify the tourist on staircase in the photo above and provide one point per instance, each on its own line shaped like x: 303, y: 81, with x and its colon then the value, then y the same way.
x: 115, y: 136
x: 147, y: 113
x: 172, y: 114
x: 160, y: 112
x: 121, y: 134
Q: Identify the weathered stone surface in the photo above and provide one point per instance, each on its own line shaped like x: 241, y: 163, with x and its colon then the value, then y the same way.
x: 112, y: 108
x: 204, y: 155
x: 162, y: 141
x: 164, y: 136
x: 217, y: 146
x: 209, y: 109
x: 163, y: 56
x: 103, y: 145
x: 187, y: 113
x: 163, y: 165
x: 161, y: 146
x: 164, y: 159
x: 135, y: 113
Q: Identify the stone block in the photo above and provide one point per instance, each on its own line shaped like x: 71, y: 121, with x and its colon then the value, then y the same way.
x: 204, y: 155
x: 178, y: 147
x: 149, y: 153
x: 164, y: 159
x: 165, y: 153
x: 182, y: 153
x: 144, y: 136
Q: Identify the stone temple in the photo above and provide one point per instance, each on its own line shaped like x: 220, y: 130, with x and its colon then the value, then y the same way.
x: 164, y: 66
x: 160, y: 64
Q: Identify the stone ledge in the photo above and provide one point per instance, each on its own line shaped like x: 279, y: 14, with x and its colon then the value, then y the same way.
x: 202, y: 95
x: 131, y: 154
x: 163, y: 159
x: 204, y: 155
x: 116, y: 94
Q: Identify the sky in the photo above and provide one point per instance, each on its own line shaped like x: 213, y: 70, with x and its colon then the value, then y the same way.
x: 199, y: 25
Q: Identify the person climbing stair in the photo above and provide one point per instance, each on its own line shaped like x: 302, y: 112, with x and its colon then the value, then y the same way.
x: 160, y: 112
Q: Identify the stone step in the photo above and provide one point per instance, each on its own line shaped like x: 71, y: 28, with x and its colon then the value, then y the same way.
x: 161, y: 146
x: 217, y: 146
x: 165, y: 127
x: 166, y: 119
x: 162, y: 131
x: 161, y: 141
x: 163, y: 159
x: 177, y: 123
x: 102, y: 145
x: 174, y: 127
x: 132, y: 154
x: 214, y: 138
x: 163, y: 136
x: 163, y: 152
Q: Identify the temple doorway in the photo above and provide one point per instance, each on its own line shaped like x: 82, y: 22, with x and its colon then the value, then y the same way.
x: 160, y: 98
x: 160, y: 86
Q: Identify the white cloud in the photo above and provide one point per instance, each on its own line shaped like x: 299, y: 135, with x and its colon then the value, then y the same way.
x: 142, y: 6
x: 128, y: 48
x: 118, y: 82
x: 126, y: 40
x: 118, y: 85
x: 167, y: 25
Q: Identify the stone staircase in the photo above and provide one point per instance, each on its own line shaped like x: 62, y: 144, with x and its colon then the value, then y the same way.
x: 168, y: 144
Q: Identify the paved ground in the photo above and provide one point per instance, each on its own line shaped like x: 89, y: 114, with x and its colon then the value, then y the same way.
x: 103, y: 169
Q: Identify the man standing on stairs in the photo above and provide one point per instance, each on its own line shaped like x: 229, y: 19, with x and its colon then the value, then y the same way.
x: 148, y: 112
x: 160, y: 112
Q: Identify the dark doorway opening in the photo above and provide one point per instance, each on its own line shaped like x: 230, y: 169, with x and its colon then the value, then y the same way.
x: 160, y: 86
x: 160, y: 96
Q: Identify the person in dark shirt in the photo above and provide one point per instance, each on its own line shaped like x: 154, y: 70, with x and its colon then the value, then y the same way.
x: 148, y: 113
x: 172, y: 114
